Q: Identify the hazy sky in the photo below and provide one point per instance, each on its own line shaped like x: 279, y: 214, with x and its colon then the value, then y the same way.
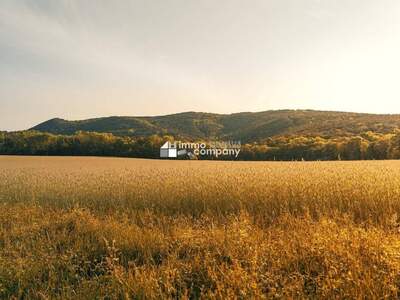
x: 80, y: 59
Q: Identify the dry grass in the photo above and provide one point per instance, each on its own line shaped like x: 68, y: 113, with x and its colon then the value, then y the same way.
x: 86, y: 228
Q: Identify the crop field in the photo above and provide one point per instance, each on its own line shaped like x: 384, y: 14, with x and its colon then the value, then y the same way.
x: 111, y: 228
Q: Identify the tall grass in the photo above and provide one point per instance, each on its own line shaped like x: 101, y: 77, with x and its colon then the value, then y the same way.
x: 86, y: 228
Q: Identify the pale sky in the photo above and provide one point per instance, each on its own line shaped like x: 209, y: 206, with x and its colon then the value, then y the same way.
x: 78, y: 59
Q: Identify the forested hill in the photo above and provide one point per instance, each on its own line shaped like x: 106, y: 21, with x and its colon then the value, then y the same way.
x: 269, y: 135
x: 246, y: 126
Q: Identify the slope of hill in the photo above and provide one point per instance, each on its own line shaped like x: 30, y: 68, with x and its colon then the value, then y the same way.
x: 246, y: 126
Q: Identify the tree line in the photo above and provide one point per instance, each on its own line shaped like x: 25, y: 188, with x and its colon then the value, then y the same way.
x: 368, y: 146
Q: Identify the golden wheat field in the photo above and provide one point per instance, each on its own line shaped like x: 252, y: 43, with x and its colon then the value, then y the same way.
x: 111, y: 228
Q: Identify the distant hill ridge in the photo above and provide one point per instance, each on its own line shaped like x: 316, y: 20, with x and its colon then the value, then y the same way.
x: 245, y: 126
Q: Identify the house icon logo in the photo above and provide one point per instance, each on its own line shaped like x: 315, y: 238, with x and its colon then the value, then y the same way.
x: 169, y: 150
